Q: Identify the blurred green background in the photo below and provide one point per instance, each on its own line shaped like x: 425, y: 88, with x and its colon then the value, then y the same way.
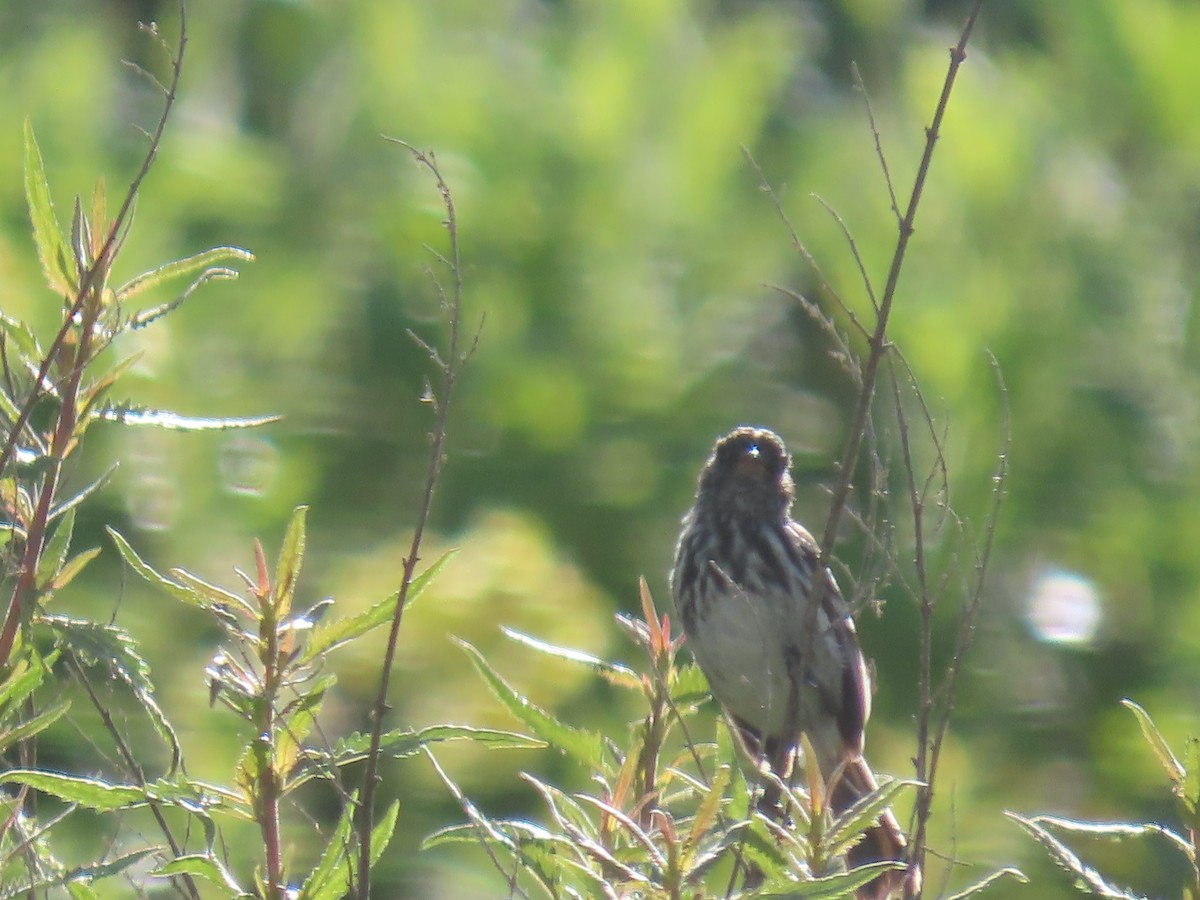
x: 617, y: 242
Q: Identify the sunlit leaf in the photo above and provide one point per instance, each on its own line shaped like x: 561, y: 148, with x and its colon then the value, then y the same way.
x: 72, y: 568
x: 1085, y: 877
x: 206, y: 866
x: 613, y: 672
x: 329, y: 635
x: 853, y: 822
x: 157, y: 418
x: 987, y: 881
x: 331, y: 878
x: 582, y: 746
x: 1158, y: 745
x: 51, y: 245
x: 291, y: 557
x: 40, y: 722
x: 381, y: 834
x: 180, y: 267
x: 144, y: 569
x: 89, y: 792
x: 114, y: 649
x: 54, y: 554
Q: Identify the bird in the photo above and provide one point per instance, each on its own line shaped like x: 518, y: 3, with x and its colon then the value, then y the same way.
x: 743, y: 580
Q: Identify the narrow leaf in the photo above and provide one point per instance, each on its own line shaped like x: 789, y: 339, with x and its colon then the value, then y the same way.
x: 381, y: 834
x: 206, y: 866
x: 614, y: 672
x: 849, y: 826
x: 1084, y: 876
x: 329, y: 635
x: 158, y: 418
x: 97, y: 644
x: 291, y: 558
x: 73, y: 567
x: 180, y: 267
x: 330, y: 879
x: 987, y: 881
x: 584, y: 747
x: 32, y: 726
x: 88, y: 792
x: 51, y: 245
x: 1158, y: 745
x: 54, y: 554
x: 139, y: 565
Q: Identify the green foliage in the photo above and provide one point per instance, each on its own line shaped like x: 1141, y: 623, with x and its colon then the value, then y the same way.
x: 1182, y: 778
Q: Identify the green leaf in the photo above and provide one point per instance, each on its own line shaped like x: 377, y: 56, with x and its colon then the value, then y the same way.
x: 690, y: 687
x: 206, y: 866
x: 72, y: 568
x: 330, y: 879
x: 1175, y: 771
x: 861, y: 815
x: 47, y: 235
x: 291, y: 558
x: 125, y: 414
x: 830, y: 887
x: 88, y: 792
x: 26, y: 677
x: 54, y: 554
x: 582, y: 746
x: 115, y: 650
x: 381, y: 834
x: 328, y: 635
x: 403, y: 743
x: 1085, y: 877
x: 91, y: 397
x: 32, y: 726
x: 177, y: 269
x: 987, y: 881
x: 614, y: 672
x: 135, y: 562
x: 24, y: 338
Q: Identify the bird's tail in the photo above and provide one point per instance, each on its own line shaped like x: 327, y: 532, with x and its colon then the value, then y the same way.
x: 882, y: 841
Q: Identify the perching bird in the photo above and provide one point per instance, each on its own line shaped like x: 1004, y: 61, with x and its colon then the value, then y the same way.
x: 742, y: 581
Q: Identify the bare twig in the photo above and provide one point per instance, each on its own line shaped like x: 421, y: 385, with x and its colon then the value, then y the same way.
x: 450, y: 367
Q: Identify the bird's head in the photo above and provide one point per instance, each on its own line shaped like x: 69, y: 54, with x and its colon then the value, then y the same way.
x: 747, y: 474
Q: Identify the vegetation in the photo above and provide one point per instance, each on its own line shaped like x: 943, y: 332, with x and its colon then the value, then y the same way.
x: 612, y: 256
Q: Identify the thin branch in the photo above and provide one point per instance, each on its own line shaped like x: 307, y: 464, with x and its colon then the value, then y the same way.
x: 449, y: 369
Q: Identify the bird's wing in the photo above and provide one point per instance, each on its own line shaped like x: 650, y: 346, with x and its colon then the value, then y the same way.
x: 851, y: 696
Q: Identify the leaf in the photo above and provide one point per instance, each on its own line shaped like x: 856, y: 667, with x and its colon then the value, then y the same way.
x: 202, y: 865
x: 47, y: 235
x: 329, y: 635
x: 125, y: 414
x: 148, y: 573
x: 88, y: 792
x: 584, y: 747
x: 68, y: 572
x: 180, y: 267
x: 690, y: 687
x: 291, y: 557
x: 1084, y: 876
x: 54, y: 554
x: 94, y: 393
x: 114, y: 649
x: 381, y: 834
x: 1175, y: 771
x: 987, y: 881
x: 841, y: 884
x: 34, y: 725
x: 404, y: 743
x: 613, y: 672
x: 849, y: 826
x: 330, y: 879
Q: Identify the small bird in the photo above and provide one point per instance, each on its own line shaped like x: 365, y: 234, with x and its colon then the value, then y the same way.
x: 743, y: 579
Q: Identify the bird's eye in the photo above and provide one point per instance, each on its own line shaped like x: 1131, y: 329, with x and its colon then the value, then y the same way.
x: 753, y: 451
